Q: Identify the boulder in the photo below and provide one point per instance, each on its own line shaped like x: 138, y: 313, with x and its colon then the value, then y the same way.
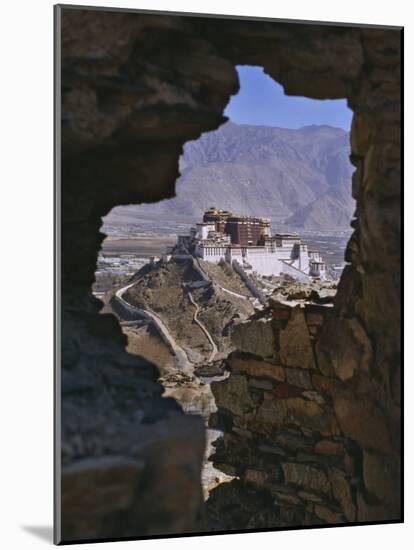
x: 295, y: 343
x: 255, y: 336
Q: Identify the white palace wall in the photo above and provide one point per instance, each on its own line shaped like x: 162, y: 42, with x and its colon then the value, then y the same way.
x: 265, y: 263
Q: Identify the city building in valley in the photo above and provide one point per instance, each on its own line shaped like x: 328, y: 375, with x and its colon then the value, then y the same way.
x: 248, y: 241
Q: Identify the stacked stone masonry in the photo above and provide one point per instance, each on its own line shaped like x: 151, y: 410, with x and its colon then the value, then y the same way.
x: 135, y: 89
x: 285, y: 428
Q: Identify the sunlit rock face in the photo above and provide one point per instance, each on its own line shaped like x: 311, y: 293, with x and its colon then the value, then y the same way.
x: 135, y: 88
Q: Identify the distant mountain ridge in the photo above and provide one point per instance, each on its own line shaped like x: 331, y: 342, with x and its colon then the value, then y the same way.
x: 299, y: 178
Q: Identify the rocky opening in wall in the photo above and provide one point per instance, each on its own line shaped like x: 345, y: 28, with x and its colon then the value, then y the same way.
x: 181, y: 308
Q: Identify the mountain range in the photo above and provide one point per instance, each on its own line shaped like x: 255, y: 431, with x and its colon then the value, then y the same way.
x: 300, y: 178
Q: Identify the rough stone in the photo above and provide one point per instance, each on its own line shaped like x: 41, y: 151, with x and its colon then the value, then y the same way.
x: 271, y: 415
x: 353, y: 353
x: 284, y: 498
x: 308, y: 477
x: 314, y: 396
x: 95, y: 487
x: 233, y: 394
x: 255, y: 367
x: 246, y: 434
x: 307, y: 415
x: 314, y: 319
x: 281, y: 314
x: 342, y: 493
x: 299, y: 378
x: 256, y: 337
x: 372, y: 432
x: 361, y: 133
x: 293, y: 441
x: 312, y: 416
x: 369, y: 511
x: 261, y: 384
x: 272, y: 449
x: 312, y: 497
x: 324, y: 384
x: 255, y: 476
x: 329, y: 447
x: 378, y: 478
x: 285, y: 391
x: 226, y: 468
x: 328, y: 515
x: 295, y: 343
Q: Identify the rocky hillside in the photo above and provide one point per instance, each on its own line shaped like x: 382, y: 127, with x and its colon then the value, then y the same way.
x: 164, y: 289
x: 300, y: 178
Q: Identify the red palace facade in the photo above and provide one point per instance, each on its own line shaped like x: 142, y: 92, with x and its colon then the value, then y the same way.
x: 243, y: 230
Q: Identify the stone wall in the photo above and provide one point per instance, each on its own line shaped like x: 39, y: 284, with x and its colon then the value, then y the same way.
x: 248, y: 281
x: 135, y: 88
x: 285, y: 437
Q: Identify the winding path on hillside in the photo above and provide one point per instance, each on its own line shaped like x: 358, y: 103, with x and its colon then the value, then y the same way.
x: 135, y: 313
x: 214, y: 349
x: 232, y: 293
x: 242, y: 296
x: 180, y: 356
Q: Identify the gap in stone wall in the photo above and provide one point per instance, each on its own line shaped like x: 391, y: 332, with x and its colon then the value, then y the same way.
x: 234, y: 167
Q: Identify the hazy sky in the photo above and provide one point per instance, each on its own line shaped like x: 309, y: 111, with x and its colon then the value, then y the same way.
x: 262, y: 101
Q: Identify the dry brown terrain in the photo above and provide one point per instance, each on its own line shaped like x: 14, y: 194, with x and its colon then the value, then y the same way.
x: 146, y: 342
x: 226, y: 277
x: 141, y: 246
x: 161, y: 290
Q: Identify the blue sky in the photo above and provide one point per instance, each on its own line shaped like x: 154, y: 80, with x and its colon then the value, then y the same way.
x: 262, y: 101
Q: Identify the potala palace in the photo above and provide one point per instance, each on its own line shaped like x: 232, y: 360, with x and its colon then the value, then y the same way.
x: 247, y: 240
